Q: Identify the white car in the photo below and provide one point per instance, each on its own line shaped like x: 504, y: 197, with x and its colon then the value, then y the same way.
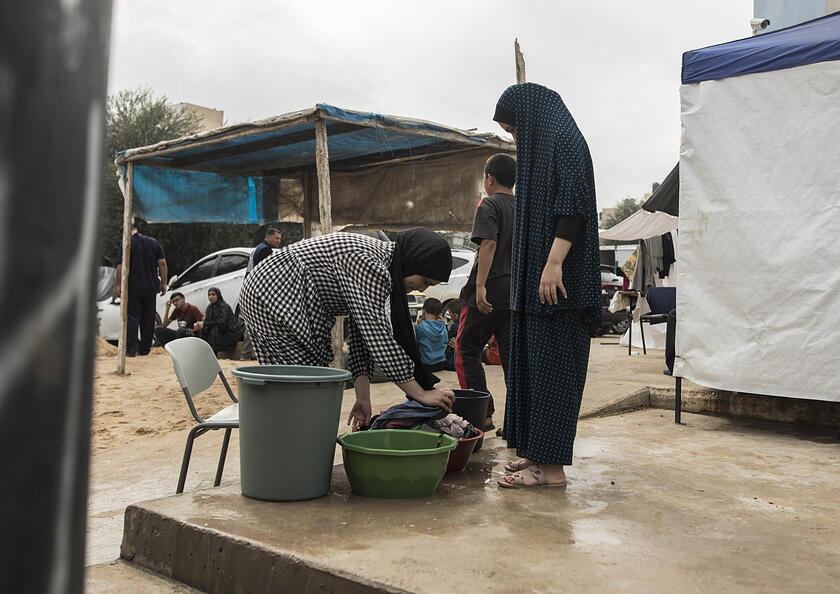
x: 224, y: 269
x: 462, y: 263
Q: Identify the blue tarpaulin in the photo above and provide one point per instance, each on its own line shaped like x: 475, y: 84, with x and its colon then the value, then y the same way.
x: 806, y: 43
x: 230, y: 175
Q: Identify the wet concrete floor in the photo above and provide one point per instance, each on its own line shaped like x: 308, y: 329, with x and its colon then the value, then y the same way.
x: 148, y: 468
x: 713, y: 505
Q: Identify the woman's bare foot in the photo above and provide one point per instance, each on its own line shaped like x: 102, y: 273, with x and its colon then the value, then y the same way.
x: 536, y: 475
x: 517, y: 465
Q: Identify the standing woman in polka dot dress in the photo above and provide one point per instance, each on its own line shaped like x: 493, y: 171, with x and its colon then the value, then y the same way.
x: 555, y: 283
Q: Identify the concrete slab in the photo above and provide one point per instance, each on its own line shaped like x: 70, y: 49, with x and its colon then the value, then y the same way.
x: 146, y: 467
x: 715, y: 505
x: 119, y: 577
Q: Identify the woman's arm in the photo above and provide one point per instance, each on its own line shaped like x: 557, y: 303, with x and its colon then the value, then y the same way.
x: 551, y: 281
x: 442, y: 397
x: 224, y: 321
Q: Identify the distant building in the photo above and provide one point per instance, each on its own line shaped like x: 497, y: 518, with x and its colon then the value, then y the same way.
x: 210, y: 118
x: 605, y: 213
x: 786, y: 13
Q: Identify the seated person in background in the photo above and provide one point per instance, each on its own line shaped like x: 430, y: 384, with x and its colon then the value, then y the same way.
x: 185, y: 313
x: 432, y: 336
x: 220, y: 327
x: 453, y: 311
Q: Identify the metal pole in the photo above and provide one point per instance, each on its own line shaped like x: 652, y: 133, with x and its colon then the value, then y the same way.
x: 53, y: 76
x: 678, y: 401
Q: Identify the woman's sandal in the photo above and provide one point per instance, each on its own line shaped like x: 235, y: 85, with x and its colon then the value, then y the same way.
x: 488, y: 424
x: 517, y: 481
x: 518, y: 465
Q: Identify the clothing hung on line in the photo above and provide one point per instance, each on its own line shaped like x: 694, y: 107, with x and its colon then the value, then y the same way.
x: 668, y: 255
x: 549, y: 342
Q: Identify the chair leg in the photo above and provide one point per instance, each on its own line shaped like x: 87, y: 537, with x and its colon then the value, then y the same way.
x: 185, y: 462
x: 630, y: 336
x: 642, y: 330
x: 222, y: 456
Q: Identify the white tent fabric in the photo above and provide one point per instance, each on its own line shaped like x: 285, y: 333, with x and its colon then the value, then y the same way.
x: 759, y: 237
x: 641, y: 225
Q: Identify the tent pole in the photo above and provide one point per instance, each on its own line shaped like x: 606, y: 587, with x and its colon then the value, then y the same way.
x: 520, y: 62
x: 126, y: 265
x: 678, y: 401
x: 322, y: 164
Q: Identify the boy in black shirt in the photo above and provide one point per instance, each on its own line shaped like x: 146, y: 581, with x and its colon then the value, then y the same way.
x: 486, y: 296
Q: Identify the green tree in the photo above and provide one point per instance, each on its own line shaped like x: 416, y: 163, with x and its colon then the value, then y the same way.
x: 134, y: 118
x: 615, y: 215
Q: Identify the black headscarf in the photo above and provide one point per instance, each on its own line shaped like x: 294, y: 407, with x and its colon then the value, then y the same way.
x: 423, y: 252
x: 216, y: 311
x: 554, y: 178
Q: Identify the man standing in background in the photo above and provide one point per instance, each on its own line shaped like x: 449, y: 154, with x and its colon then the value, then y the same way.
x: 147, y: 275
x: 272, y: 241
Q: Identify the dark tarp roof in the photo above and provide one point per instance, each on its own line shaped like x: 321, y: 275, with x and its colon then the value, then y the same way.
x: 666, y: 198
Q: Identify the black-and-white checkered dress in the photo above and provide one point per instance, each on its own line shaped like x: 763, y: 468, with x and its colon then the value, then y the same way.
x: 291, y: 299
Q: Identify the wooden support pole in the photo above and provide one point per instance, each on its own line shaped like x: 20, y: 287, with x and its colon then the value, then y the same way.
x: 322, y: 164
x: 520, y: 62
x: 308, y: 195
x: 126, y: 267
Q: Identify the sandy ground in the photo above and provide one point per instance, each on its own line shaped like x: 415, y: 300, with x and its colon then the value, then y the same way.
x: 140, y: 422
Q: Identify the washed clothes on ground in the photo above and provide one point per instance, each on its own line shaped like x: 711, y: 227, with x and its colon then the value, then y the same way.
x: 550, y: 342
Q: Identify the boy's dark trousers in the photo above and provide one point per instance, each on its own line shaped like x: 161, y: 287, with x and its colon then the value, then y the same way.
x: 474, y: 330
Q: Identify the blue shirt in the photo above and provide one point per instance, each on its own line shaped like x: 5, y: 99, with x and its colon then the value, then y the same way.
x: 432, y: 338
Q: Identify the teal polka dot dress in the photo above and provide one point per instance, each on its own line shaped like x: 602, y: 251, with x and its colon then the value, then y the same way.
x: 549, y: 343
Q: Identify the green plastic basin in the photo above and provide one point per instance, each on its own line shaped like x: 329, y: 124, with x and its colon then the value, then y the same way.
x: 395, y: 463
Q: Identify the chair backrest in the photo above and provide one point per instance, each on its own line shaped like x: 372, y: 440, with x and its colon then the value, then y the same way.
x: 661, y: 299
x: 195, y: 365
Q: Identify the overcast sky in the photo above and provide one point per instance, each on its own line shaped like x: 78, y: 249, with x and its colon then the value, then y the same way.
x: 616, y: 63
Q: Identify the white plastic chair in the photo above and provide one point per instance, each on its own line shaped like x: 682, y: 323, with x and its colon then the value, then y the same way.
x: 197, y: 367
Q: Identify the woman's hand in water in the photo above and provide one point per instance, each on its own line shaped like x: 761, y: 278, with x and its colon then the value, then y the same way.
x: 441, y: 397
x: 360, y: 414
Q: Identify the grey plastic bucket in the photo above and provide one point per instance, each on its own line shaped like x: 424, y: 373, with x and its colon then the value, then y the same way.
x: 288, y: 421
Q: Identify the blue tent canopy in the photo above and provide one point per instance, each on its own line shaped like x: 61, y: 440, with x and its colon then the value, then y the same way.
x: 232, y: 174
x: 807, y: 43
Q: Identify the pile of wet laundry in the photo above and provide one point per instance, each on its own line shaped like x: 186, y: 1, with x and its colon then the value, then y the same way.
x: 414, y: 415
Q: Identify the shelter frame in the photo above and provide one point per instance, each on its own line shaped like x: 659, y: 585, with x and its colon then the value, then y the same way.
x: 296, y: 146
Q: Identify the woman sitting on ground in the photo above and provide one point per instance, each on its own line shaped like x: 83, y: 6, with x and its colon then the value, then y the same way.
x: 219, y: 327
